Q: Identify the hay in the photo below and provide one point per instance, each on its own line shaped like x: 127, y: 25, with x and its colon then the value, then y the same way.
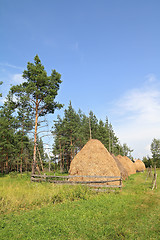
x: 139, y: 166
x: 132, y: 166
x: 121, y: 167
x: 94, y: 160
x: 127, y: 164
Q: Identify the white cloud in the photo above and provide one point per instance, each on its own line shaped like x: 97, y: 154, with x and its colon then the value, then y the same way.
x: 8, y: 81
x: 2, y: 100
x: 139, y: 117
x: 48, y: 150
x: 141, y: 103
x: 151, y: 78
x: 17, y: 78
x: 10, y: 66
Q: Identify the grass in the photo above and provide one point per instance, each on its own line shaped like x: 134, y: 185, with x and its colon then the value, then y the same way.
x: 46, y: 211
x: 18, y: 193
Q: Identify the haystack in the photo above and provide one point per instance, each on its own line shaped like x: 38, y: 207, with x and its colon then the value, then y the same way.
x: 94, y: 160
x: 133, y: 169
x: 121, y: 167
x: 139, y: 165
x: 127, y: 164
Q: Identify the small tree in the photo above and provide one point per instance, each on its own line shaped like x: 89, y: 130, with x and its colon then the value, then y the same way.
x: 155, y: 150
x: 126, y: 150
x: 41, y: 91
x: 147, y: 161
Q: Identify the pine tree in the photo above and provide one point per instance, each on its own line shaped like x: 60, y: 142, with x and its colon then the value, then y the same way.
x: 101, y: 131
x: 41, y: 91
x: 8, y: 126
x: 94, y: 125
x: 59, y: 143
x: 25, y: 121
x: 83, y: 131
x: 71, y: 128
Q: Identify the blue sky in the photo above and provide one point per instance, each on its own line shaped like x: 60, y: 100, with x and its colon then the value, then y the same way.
x: 108, y: 53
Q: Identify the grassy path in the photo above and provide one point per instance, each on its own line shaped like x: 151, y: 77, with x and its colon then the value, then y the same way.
x: 132, y: 214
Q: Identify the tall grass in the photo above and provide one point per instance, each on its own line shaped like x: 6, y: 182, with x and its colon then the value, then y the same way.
x: 18, y: 193
x: 133, y: 213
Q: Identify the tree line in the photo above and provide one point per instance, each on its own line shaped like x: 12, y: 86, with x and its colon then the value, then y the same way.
x: 21, y: 113
x: 75, y: 129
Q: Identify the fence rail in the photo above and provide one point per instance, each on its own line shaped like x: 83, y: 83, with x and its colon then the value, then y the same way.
x: 92, y: 183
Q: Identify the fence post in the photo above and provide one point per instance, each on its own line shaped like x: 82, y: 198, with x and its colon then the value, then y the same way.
x: 121, y: 180
x: 154, y: 182
x: 45, y: 177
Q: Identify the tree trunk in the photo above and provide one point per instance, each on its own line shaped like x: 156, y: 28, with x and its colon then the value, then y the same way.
x: 63, y: 160
x: 2, y: 163
x: 17, y: 165
x: 7, y: 167
x: 21, y: 161
x: 109, y: 143
x: 90, y: 128
x: 26, y: 164
x: 71, y: 148
x: 35, y: 139
x: 67, y: 161
x: 22, y: 146
x: 2, y: 167
x: 60, y: 155
x: 40, y: 159
x: 49, y: 164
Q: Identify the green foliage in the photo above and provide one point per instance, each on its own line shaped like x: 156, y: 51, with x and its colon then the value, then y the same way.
x: 40, y: 87
x: 155, y: 150
x: 127, y: 151
x: 148, y: 161
x: 13, y: 139
x: 8, y: 126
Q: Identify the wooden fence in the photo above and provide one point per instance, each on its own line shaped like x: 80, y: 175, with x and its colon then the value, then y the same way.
x: 92, y: 183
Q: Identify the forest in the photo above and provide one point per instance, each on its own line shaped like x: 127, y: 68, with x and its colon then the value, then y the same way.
x: 21, y: 118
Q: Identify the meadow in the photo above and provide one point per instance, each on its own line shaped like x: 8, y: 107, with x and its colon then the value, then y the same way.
x: 47, y: 211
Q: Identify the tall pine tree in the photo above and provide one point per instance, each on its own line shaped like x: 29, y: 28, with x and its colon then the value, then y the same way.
x: 41, y: 91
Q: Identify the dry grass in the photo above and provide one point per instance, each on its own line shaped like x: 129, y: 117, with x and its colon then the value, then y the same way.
x: 94, y: 159
x: 139, y: 165
x: 121, y: 167
x: 127, y: 164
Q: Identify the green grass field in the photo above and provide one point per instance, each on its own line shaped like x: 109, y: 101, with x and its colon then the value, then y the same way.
x: 47, y: 211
